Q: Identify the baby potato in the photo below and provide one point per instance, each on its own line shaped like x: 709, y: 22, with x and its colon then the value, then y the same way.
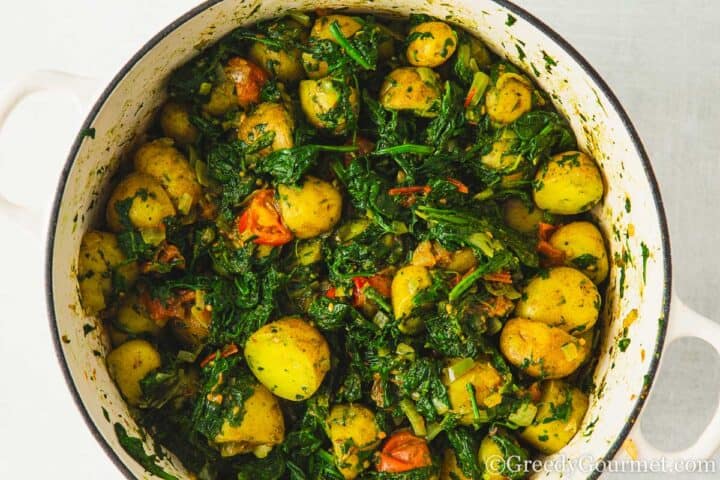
x: 310, y: 209
x: 519, y: 217
x: 499, y: 158
x: 540, y: 350
x: 266, y: 118
x: 510, y: 97
x: 584, y: 249
x: 498, y: 452
x: 548, y: 433
x: 486, y: 382
x: 449, y: 469
x: 352, y: 430
x: 99, y: 256
x: 150, y: 204
x: 288, y: 356
x: 262, y: 426
x: 349, y: 26
x: 283, y: 64
x: 416, y: 89
x: 162, y: 161
x: 563, y: 298
x: 175, y: 123
x: 194, y: 327
x: 133, y: 318
x: 569, y: 183
x: 323, y: 103
x: 222, y: 98
x: 430, y: 44
x: 129, y: 363
x: 406, y: 284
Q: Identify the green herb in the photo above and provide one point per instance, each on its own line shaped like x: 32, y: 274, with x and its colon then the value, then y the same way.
x: 134, y: 447
x: 510, y: 20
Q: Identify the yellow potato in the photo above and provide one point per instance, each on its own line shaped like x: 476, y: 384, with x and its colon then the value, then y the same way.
x: 310, y: 209
x: 518, y: 217
x: 133, y: 318
x: 288, y: 356
x: 349, y: 26
x: 268, y: 117
x: 430, y: 44
x: 352, y: 430
x: 262, y: 426
x: 584, y: 249
x: 510, y: 97
x: 569, y: 183
x: 285, y: 65
x: 449, y: 469
x: 129, y: 363
x: 194, y: 328
x: 150, y: 204
x: 99, y: 256
x: 430, y: 254
x: 563, y: 297
x: 322, y: 102
x: 540, y: 350
x: 560, y: 413
x: 498, y: 158
x: 162, y: 161
x: 486, y: 382
x: 222, y: 98
x: 416, y: 89
x: 175, y: 123
x: 406, y: 284
x: 500, y: 455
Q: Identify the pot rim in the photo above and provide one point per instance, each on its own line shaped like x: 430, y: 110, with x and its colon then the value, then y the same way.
x: 515, y: 9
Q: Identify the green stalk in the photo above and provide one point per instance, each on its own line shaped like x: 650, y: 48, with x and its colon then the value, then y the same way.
x: 405, y: 148
x: 353, y: 52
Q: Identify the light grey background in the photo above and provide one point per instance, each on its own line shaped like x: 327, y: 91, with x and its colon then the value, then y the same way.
x: 662, y: 59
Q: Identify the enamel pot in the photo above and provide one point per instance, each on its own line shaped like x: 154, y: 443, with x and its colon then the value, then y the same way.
x: 639, y: 304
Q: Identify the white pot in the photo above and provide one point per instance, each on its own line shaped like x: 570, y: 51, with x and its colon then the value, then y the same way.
x: 601, y: 125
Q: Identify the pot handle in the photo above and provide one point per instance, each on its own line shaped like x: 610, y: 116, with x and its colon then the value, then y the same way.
x: 686, y: 322
x: 82, y: 89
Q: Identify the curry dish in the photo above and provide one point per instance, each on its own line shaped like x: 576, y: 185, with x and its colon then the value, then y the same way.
x: 351, y: 247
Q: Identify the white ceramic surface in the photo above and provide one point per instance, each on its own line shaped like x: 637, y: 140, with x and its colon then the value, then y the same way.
x: 622, y: 378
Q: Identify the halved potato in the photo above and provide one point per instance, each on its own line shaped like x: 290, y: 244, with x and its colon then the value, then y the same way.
x: 352, y: 430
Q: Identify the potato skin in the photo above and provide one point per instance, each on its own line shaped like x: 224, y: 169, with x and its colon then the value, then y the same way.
x: 564, y: 298
x: 518, y: 217
x: 349, y: 26
x: 352, y: 425
x: 570, y: 183
x: 449, y: 469
x: 509, y: 98
x: 320, y: 97
x: 262, y: 425
x: 284, y: 65
x: 162, y: 161
x: 150, y: 203
x: 289, y: 356
x: 222, y: 98
x: 549, y: 436
x: 268, y: 117
x: 175, y: 123
x: 408, y: 282
x: 133, y: 318
x: 540, y: 350
x: 431, y: 45
x: 412, y: 88
x: 486, y: 381
x: 99, y: 255
x: 310, y: 209
x: 128, y: 364
x: 584, y: 249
